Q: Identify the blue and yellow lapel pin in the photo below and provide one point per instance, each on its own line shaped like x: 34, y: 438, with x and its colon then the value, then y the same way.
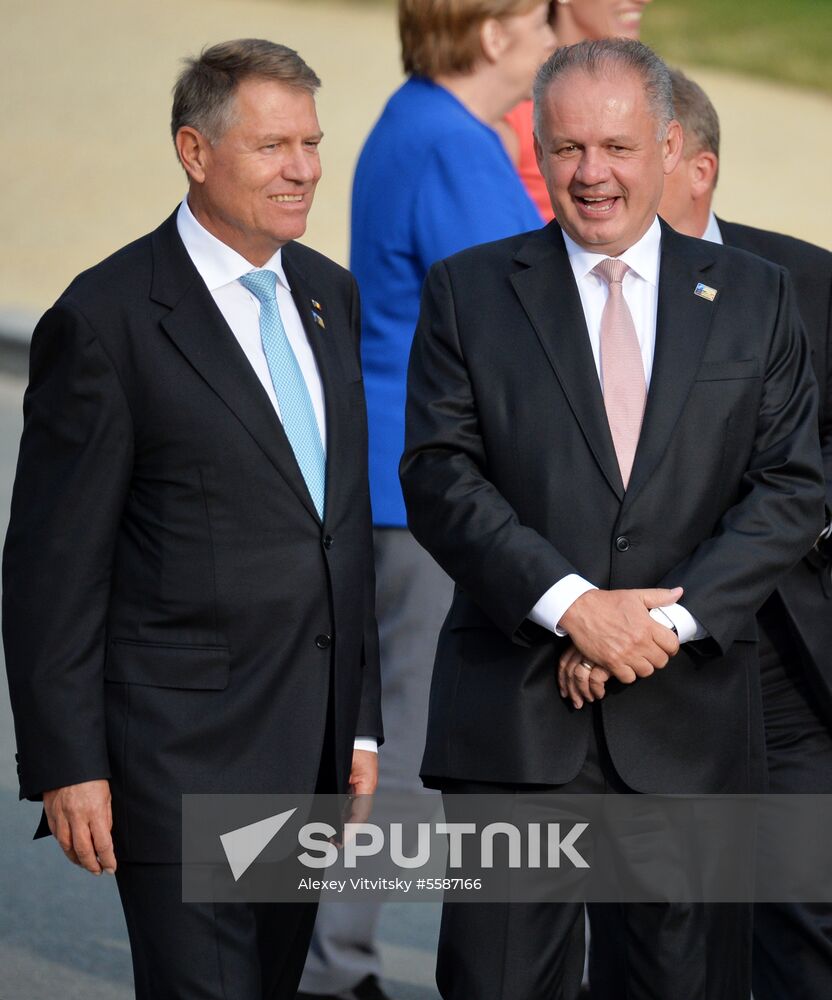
x: 317, y: 309
x: 705, y: 292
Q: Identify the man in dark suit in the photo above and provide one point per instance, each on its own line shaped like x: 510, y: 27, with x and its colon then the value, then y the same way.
x: 611, y: 448
x: 792, y: 942
x: 188, y: 583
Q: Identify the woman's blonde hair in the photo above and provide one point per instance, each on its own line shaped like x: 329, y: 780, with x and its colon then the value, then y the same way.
x: 442, y: 37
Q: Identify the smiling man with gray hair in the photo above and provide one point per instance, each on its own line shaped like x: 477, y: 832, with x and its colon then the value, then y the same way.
x: 187, y: 578
x: 612, y: 450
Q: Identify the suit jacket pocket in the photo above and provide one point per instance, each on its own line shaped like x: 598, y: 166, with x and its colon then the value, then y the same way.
x: 714, y: 371
x: 204, y: 668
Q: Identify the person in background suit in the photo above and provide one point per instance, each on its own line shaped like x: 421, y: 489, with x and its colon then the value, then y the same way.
x: 792, y: 957
x: 567, y: 464
x: 187, y: 576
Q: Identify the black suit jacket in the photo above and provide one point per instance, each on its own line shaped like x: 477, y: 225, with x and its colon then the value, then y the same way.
x: 175, y: 615
x: 511, y: 482
x: 806, y: 593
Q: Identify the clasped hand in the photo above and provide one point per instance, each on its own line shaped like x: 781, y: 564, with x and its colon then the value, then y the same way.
x: 613, y: 635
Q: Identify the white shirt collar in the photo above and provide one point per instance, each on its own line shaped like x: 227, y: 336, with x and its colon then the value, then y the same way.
x: 218, y: 264
x: 641, y: 257
x: 712, y: 231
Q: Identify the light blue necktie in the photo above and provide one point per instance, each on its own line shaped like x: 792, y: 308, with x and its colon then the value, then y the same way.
x: 290, y: 387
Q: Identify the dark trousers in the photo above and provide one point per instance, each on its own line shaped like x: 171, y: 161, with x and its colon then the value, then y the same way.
x: 209, y: 951
x: 535, y: 951
x: 792, y: 941
x: 216, y: 951
x: 710, y: 956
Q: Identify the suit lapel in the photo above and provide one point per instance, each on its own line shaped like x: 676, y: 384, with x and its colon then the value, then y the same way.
x: 547, y: 290
x: 683, y: 324
x: 200, y: 332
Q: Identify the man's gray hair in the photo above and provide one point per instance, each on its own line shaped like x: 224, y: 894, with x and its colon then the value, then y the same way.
x: 203, y: 97
x: 604, y: 56
x: 696, y: 114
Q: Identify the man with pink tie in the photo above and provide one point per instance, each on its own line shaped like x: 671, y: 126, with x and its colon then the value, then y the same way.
x: 612, y: 449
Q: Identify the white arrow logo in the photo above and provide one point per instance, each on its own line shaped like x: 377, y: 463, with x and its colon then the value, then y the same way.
x: 244, y: 846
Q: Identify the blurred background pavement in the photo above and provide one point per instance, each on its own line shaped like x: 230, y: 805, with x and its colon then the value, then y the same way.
x: 88, y: 163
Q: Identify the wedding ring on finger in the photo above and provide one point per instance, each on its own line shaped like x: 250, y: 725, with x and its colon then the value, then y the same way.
x: 587, y: 666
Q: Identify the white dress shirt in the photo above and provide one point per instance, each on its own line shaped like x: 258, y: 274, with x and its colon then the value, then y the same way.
x: 641, y: 292
x: 712, y: 232
x: 220, y: 268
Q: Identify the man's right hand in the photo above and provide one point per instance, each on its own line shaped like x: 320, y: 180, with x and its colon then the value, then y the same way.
x: 613, y: 629
x: 81, y: 820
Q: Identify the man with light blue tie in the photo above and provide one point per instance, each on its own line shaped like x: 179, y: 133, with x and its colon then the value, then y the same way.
x: 303, y: 427
x: 188, y: 579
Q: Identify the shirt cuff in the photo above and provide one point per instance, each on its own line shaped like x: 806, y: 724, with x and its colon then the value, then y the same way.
x: 557, y: 600
x: 366, y: 743
x: 679, y: 618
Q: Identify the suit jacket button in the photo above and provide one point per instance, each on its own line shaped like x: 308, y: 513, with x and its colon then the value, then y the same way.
x: 622, y: 543
x: 328, y: 540
x: 323, y: 641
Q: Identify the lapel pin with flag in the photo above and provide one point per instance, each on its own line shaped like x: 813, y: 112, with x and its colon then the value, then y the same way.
x: 705, y: 292
x: 317, y: 309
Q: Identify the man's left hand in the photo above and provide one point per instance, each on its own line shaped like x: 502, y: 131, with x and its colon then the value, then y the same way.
x: 579, y: 679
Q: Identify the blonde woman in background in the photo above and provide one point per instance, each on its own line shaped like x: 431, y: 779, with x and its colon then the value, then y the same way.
x: 573, y: 21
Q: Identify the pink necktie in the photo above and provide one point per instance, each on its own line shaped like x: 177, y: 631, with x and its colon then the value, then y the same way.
x: 622, y: 369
